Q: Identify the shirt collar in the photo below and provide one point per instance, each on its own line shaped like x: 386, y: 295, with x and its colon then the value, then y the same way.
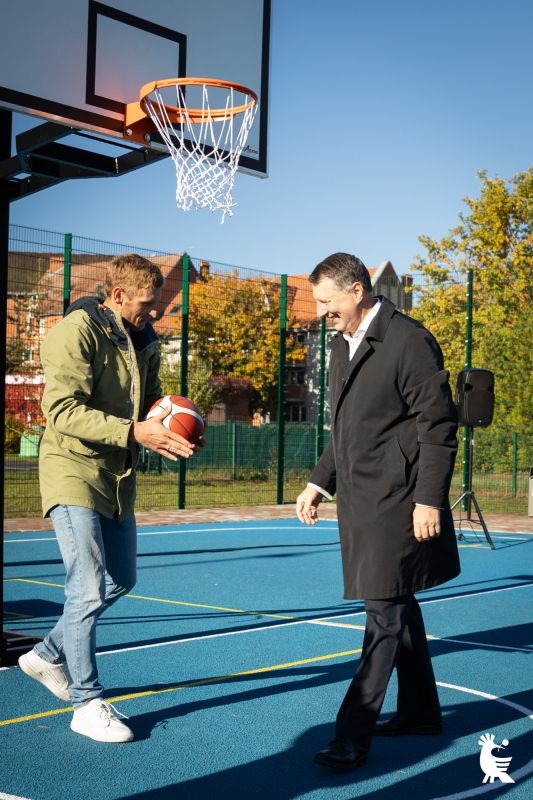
x: 364, y: 326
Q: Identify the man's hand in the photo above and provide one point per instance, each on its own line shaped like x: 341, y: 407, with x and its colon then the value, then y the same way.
x: 307, y: 505
x: 426, y: 523
x: 152, y: 434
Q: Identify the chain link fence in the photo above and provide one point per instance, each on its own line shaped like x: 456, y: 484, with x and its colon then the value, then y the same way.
x: 222, y: 343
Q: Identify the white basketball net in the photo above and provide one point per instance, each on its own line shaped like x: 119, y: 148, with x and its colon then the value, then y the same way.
x: 207, y: 162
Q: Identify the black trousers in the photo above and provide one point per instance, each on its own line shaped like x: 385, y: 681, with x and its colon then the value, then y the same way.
x: 394, y: 637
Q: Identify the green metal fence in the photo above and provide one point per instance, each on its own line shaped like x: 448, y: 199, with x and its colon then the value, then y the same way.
x: 226, y: 335
x: 243, y: 344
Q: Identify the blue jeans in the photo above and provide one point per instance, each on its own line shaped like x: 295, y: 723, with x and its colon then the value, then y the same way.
x: 100, y: 556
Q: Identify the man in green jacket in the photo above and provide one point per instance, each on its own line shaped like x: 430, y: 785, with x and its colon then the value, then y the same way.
x: 101, y: 364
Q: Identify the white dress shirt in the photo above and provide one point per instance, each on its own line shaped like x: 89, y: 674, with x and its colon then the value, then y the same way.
x: 353, y: 343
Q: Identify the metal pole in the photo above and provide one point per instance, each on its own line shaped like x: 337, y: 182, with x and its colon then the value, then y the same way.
x: 66, y: 272
x: 470, y: 471
x: 233, y: 451
x: 281, y: 387
x: 5, y: 153
x: 184, y: 371
x: 515, y: 458
x: 321, y: 390
x: 12, y: 644
x: 468, y: 363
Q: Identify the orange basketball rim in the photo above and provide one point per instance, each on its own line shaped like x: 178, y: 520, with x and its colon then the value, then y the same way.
x: 138, y: 125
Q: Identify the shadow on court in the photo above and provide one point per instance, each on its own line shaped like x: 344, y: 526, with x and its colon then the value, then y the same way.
x: 399, y: 769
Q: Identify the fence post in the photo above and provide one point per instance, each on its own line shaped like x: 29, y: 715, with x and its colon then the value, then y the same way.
x: 515, y: 459
x: 468, y: 363
x: 66, y: 271
x: 281, y: 387
x: 233, y: 451
x: 321, y: 390
x: 184, y: 366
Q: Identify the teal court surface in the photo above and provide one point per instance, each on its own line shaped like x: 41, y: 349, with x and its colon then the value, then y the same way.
x: 231, y: 656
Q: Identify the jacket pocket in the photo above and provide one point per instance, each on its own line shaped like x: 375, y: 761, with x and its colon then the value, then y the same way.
x: 86, y: 448
x: 396, y: 466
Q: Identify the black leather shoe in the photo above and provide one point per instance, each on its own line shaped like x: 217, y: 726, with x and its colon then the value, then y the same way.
x: 342, y: 753
x: 397, y: 726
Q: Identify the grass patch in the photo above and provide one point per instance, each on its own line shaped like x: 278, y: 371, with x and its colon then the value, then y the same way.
x: 216, y: 489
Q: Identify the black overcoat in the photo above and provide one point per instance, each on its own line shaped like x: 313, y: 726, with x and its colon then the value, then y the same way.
x: 393, y: 444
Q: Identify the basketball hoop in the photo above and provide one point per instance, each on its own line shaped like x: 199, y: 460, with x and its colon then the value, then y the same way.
x: 206, y: 157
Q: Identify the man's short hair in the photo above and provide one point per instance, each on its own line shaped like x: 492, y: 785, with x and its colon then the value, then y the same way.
x: 133, y: 273
x: 343, y: 270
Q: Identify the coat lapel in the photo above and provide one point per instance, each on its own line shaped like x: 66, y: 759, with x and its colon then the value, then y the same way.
x: 339, y: 346
x: 377, y: 330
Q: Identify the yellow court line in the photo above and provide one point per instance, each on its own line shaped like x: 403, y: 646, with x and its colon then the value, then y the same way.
x: 188, y: 685
x: 41, y: 583
x: 14, y: 614
x: 199, y: 605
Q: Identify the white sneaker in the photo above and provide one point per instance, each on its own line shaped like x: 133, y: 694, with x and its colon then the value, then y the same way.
x: 55, y: 677
x: 97, y: 721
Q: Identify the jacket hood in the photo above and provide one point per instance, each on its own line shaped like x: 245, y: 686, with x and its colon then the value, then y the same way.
x: 104, y: 316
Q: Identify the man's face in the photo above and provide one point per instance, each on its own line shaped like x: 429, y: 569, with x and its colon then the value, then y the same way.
x: 138, y: 310
x: 341, y: 309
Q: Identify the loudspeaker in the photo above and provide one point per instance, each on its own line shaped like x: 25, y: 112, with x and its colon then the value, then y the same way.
x: 474, y: 397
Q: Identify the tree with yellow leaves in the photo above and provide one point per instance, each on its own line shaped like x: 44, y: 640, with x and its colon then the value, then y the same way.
x: 495, y: 239
x: 234, y: 325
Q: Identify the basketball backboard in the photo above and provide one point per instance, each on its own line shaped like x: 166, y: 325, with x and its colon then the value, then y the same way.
x: 79, y: 62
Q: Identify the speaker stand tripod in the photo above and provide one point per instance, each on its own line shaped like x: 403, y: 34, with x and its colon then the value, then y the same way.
x: 469, y: 493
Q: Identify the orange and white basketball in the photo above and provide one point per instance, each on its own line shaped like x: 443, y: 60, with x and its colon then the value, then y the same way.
x: 185, y: 418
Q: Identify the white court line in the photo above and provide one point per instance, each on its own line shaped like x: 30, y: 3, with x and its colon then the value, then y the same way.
x: 11, y: 797
x: 477, y: 594
x: 471, y: 532
x: 218, y: 530
x: 15, y: 541
x: 321, y: 621
x: 445, y: 599
x: 480, y: 644
x: 325, y: 621
x: 475, y: 534
x: 198, y: 638
x: 489, y: 787
x: 166, y: 533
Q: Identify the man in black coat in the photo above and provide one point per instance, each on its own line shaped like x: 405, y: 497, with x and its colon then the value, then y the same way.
x: 390, y: 461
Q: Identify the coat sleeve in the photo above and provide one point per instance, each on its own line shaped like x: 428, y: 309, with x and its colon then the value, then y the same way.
x: 325, y: 473
x: 152, y: 392
x: 423, y: 383
x: 66, y: 356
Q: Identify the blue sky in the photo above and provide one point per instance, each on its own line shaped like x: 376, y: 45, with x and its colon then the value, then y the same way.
x: 381, y: 115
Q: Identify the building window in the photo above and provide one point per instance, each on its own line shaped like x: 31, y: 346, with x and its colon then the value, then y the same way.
x: 297, y: 414
x: 42, y: 326
x: 301, y: 338
x: 295, y: 378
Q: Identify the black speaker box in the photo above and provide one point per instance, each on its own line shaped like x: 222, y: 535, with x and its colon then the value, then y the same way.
x: 474, y: 397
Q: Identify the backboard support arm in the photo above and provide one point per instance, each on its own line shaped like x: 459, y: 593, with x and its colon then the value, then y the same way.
x: 42, y: 162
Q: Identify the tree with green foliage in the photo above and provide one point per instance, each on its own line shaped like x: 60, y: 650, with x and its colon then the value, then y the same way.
x: 234, y: 324
x: 201, y: 388
x: 495, y: 239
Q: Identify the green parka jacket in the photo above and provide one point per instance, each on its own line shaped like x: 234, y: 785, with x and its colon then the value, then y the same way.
x: 99, y: 381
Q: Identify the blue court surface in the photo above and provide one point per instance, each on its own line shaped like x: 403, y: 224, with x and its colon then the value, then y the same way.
x: 231, y: 667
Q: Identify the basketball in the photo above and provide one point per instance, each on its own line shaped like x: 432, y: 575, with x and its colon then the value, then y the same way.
x: 185, y: 418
